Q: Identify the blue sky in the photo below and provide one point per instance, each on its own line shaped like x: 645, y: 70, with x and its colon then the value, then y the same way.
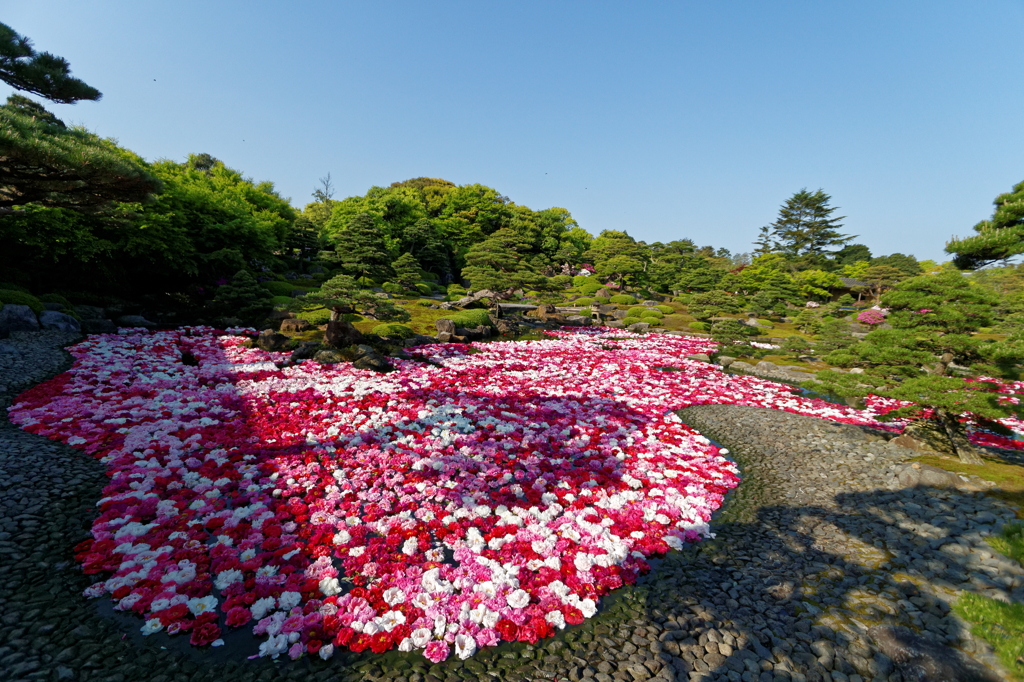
x: 668, y: 120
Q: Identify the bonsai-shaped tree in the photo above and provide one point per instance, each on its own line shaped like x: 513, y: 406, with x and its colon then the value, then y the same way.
x: 932, y: 318
x: 341, y: 295
x: 710, y: 304
x: 497, y: 264
x: 407, y: 271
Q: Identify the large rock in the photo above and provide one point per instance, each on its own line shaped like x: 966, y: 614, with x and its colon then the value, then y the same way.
x: 305, y: 351
x: 701, y: 357
x: 50, y: 305
x: 17, y: 318
x: 930, y: 436
x: 134, y: 321
x: 639, y: 327
x: 921, y: 659
x: 98, y: 326
x: 91, y: 312
x: 295, y: 325
x: 741, y: 366
x: 726, y: 360
x: 603, y: 293
x: 915, y: 474
x: 765, y: 367
x: 444, y: 325
x: 579, y: 320
x: 51, y: 319
x: 271, y: 341
x: 328, y: 357
x: 506, y: 326
x: 368, y: 358
x: 280, y: 315
x: 341, y: 333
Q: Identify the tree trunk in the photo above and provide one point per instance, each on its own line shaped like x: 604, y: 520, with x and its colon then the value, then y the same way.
x: 955, y: 432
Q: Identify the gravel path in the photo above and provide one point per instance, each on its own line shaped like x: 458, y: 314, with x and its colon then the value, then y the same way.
x: 812, y: 550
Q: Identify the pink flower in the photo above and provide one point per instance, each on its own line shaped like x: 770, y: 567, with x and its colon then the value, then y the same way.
x: 436, y: 651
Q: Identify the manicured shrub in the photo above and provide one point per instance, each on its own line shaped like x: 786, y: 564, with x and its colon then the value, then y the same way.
x: 392, y: 288
x: 622, y: 299
x: 666, y: 309
x: 281, y: 300
x: 683, y: 298
x: 54, y: 298
x: 561, y: 281
x: 316, y: 318
x: 424, y: 289
x: 471, y: 318
x: 631, y: 320
x: 700, y: 326
x: 590, y: 288
x: 637, y: 311
x: 653, y: 313
x: 841, y: 358
x: 583, y: 301
x: 278, y: 288
x: 584, y: 280
x: 394, y: 331
x: 456, y: 290
x: 13, y: 297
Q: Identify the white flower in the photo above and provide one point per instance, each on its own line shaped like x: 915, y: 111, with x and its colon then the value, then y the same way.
x: 274, y: 646
x: 673, y: 541
x: 436, y: 554
x: 260, y: 607
x: 583, y: 562
x: 406, y: 645
x: 556, y: 618
x: 371, y: 628
x: 464, y: 646
x: 394, y: 595
x: 410, y: 546
x: 152, y: 625
x: 330, y: 586
x: 341, y: 537
x: 421, y: 637
x: 518, y: 599
x: 288, y: 600
x: 326, y: 651
x: 392, y: 619
x: 228, y: 577
x: 198, y: 606
x: 356, y: 551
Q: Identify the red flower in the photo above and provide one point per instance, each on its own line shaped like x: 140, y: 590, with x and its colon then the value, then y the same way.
x: 238, y: 616
x: 313, y: 646
x: 508, y: 630
x: 205, y: 634
x: 344, y: 636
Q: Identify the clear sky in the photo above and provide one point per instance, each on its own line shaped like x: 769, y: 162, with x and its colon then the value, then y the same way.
x: 665, y: 119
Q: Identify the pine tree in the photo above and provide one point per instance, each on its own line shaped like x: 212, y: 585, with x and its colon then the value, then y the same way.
x: 805, y: 225
x: 407, y: 271
x: 360, y: 250
x: 1000, y: 237
x: 44, y: 162
x: 40, y: 73
x: 243, y: 298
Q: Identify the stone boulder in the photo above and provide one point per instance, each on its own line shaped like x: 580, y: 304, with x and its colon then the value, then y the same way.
x: 305, y: 351
x: 17, y: 318
x: 295, y: 325
x: 280, y: 315
x: 639, y: 327
x: 915, y: 474
x: 617, y: 324
x: 49, y: 305
x: 929, y: 436
x: 725, y: 360
x: 341, y: 333
x: 925, y: 660
x: 579, y: 320
x: 368, y: 358
x: 51, y: 319
x: 444, y: 325
x: 765, y: 367
x: 91, y: 312
x: 99, y: 326
x: 740, y: 366
x: 702, y: 357
x: 506, y: 326
x: 603, y: 293
x: 445, y: 337
x: 271, y: 341
x: 134, y: 321
x: 328, y: 357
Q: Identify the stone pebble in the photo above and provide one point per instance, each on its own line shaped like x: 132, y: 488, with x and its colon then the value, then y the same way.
x: 816, y: 546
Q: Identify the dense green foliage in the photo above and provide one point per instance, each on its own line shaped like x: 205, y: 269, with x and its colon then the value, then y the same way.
x: 998, y: 238
x: 40, y: 73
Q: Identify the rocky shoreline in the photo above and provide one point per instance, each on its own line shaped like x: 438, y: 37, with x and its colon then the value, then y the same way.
x: 818, y: 554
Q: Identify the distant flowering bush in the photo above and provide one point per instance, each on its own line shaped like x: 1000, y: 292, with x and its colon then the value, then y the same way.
x: 871, y: 316
x: 812, y: 304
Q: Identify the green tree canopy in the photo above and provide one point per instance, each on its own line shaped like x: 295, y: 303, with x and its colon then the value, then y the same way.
x: 805, y: 226
x: 40, y: 73
x: 360, y: 248
x: 45, y: 163
x: 1000, y: 237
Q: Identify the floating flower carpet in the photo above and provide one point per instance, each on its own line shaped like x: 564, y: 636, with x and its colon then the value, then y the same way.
x: 479, y: 494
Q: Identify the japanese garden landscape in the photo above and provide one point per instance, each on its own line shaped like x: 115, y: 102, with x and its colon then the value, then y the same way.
x: 429, y: 434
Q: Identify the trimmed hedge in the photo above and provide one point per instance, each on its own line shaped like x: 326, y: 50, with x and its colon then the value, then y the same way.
x: 394, y: 331
x: 55, y: 298
x: 636, y: 311
x: 700, y: 326
x: 652, y: 313
x: 12, y: 297
x: 591, y: 288
x: 667, y: 309
x: 622, y: 299
x: 278, y: 288
x: 582, y: 301
x: 315, y: 317
x: 424, y: 289
x: 468, y: 319
x: 631, y: 320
